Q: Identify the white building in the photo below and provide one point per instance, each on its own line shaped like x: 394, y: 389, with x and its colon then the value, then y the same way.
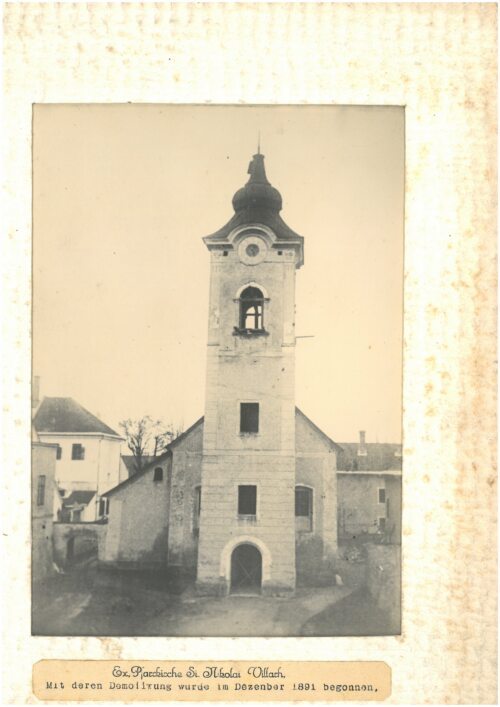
x: 88, y: 451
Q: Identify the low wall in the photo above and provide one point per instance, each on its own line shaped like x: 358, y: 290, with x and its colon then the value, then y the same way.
x: 383, y: 579
x: 74, y: 541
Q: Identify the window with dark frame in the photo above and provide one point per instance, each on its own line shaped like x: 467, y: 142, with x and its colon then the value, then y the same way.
x: 77, y: 452
x: 59, y: 452
x: 303, y: 508
x: 381, y: 495
x: 196, y: 510
x: 381, y: 524
x: 247, y: 501
x: 251, y: 309
x: 40, y: 491
x: 158, y: 474
x: 249, y: 418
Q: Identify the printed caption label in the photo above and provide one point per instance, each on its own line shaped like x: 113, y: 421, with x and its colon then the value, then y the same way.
x: 217, y: 681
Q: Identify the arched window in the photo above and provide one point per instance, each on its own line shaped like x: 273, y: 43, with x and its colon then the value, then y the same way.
x: 252, y: 309
x: 303, y: 508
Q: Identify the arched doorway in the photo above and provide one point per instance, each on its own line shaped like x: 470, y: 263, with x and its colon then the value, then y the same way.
x: 246, y: 569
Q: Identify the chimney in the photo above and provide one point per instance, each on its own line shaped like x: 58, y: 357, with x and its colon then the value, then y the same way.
x: 362, y: 444
x: 35, y: 393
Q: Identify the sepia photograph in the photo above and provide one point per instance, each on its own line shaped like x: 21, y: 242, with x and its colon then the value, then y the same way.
x: 217, y: 370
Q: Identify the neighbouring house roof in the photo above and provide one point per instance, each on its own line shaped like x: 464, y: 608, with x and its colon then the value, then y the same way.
x: 80, y: 498
x: 65, y: 415
x: 322, y: 434
x: 379, y: 456
x: 129, y: 461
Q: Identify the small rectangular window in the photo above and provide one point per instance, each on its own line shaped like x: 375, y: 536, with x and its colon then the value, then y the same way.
x: 103, y: 507
x: 158, y: 474
x: 59, y: 452
x: 249, y: 417
x: 381, y: 495
x: 381, y: 524
x: 77, y: 452
x: 40, y: 491
x: 247, y: 500
x: 225, y: 253
x: 197, y: 511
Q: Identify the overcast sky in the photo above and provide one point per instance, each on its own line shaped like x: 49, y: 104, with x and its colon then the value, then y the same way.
x: 122, y: 197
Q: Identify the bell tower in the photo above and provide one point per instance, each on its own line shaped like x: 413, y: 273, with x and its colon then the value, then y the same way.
x: 247, y: 516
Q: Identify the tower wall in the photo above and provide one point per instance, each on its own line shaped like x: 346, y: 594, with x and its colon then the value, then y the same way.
x: 256, y: 368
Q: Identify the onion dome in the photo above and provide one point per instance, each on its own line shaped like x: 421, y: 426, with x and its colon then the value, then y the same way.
x: 257, y: 202
x: 257, y: 192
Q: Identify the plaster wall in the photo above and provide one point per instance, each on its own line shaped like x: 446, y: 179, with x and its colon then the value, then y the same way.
x: 99, y: 470
x: 137, y: 528
x: 43, y: 461
x: 186, y: 477
x: 359, y: 509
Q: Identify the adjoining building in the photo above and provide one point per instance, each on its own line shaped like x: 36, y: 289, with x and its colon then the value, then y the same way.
x: 247, y: 498
x: 369, y: 490
x: 43, y: 489
x: 87, y: 452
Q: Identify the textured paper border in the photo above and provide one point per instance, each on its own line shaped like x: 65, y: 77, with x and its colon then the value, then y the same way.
x: 438, y: 60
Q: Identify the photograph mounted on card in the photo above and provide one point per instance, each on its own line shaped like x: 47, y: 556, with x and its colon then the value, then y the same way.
x: 217, y: 361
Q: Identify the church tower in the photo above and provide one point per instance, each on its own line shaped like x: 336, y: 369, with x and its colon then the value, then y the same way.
x: 247, y: 515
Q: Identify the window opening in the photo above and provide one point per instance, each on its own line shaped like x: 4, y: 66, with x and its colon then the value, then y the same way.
x: 303, y: 508
x: 252, y: 309
x: 381, y: 495
x: 59, y: 452
x: 103, y: 507
x: 197, y: 510
x: 77, y: 452
x: 158, y: 474
x: 40, y: 492
x: 249, y: 417
x: 381, y: 524
x: 247, y: 500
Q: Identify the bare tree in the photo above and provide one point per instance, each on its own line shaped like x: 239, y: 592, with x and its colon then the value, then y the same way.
x: 147, y: 437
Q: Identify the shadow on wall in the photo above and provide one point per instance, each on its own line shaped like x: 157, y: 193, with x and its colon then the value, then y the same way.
x: 156, y: 556
x: 73, y: 542
x: 383, y: 579
x: 310, y: 568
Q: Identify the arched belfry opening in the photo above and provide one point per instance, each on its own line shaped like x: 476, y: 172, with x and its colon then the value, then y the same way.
x: 246, y: 569
x: 252, y: 309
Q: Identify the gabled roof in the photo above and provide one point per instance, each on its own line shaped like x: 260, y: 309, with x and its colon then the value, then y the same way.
x: 65, y: 415
x: 154, y: 460
x: 81, y: 498
x: 129, y: 461
x: 319, y: 431
x: 380, y: 456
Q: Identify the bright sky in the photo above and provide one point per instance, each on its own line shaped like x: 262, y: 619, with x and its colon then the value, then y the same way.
x: 122, y: 197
